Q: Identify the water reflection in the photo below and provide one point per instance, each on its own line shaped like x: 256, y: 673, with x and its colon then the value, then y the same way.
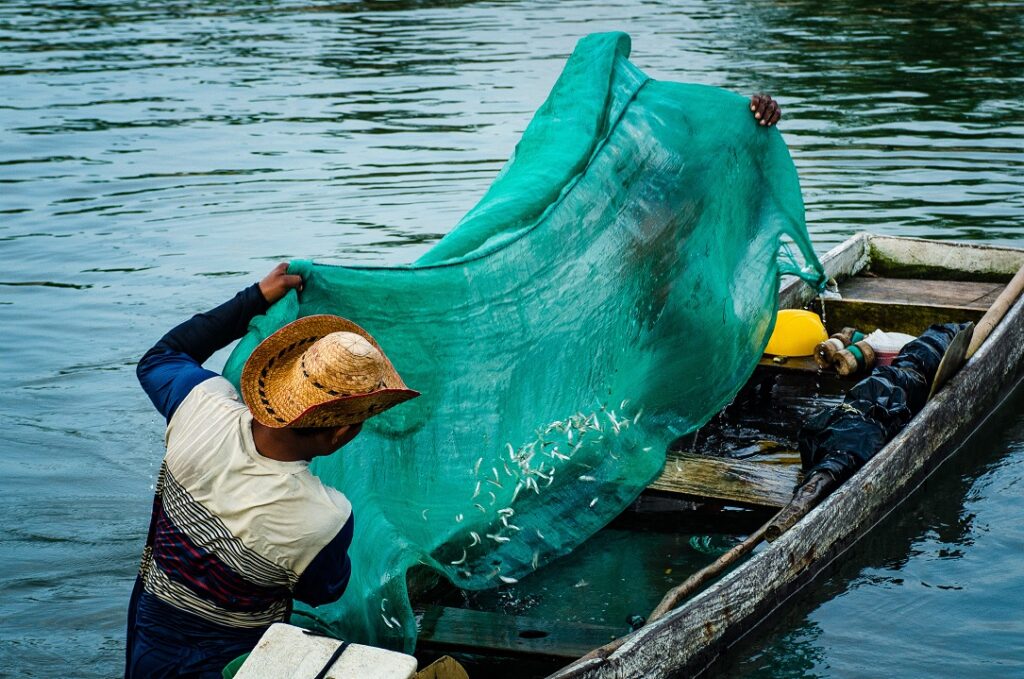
x: 152, y: 152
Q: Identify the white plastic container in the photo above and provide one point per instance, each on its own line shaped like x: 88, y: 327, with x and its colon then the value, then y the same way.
x: 287, y: 652
x: 887, y: 345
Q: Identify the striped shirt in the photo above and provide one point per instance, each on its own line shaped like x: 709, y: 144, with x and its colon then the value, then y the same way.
x: 234, y: 536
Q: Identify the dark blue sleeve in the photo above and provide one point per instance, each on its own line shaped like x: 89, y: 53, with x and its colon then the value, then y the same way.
x: 173, y: 367
x: 326, y: 577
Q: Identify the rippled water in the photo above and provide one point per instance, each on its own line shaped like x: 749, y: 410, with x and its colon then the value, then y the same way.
x: 156, y: 156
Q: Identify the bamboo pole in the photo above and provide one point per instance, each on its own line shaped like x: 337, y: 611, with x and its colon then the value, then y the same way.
x: 804, y: 500
x: 995, y: 313
x: 689, y: 586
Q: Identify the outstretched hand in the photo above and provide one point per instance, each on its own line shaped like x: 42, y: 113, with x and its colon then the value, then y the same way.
x: 765, y: 109
x: 277, y: 283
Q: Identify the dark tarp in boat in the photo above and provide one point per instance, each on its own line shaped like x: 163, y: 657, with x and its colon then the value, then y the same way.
x: 613, y: 289
x: 840, y: 440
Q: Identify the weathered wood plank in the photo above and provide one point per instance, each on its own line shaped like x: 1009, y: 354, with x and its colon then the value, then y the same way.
x: 971, y: 294
x: 805, y: 364
x: 734, y: 481
x: 693, y: 635
x: 464, y: 630
x: 918, y: 258
x: 912, y: 319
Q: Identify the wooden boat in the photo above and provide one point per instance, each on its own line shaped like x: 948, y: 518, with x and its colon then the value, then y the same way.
x: 898, y: 284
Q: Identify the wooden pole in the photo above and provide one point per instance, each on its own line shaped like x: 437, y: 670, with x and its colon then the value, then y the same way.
x: 804, y: 500
x: 680, y: 592
x: 996, y: 312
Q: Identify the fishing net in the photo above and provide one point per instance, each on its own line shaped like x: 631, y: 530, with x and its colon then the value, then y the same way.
x: 613, y: 290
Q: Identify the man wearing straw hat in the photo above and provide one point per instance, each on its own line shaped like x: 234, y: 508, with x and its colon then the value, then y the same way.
x: 240, y: 527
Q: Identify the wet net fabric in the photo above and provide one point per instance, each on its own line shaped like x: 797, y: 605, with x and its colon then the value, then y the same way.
x: 613, y: 289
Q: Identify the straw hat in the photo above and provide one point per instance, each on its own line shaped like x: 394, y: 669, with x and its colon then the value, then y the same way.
x: 320, y: 371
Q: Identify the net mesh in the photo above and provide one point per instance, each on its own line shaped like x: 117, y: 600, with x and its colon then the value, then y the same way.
x: 613, y: 290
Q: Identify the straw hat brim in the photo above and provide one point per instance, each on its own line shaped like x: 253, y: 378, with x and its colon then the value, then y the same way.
x: 279, y: 396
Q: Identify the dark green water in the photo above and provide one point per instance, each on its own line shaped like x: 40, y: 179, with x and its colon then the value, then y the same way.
x: 156, y: 156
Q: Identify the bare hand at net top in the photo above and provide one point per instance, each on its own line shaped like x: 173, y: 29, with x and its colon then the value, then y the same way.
x: 766, y: 110
x: 278, y: 282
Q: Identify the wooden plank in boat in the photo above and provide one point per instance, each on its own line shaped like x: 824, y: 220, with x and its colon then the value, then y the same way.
x: 791, y: 363
x: 467, y: 630
x: 970, y: 294
x: 912, y: 319
x: 737, y: 482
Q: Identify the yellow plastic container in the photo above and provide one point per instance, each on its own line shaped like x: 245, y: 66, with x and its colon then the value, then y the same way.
x: 796, y: 333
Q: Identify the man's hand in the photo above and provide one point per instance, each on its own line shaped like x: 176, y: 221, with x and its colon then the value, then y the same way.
x: 277, y: 283
x: 765, y: 109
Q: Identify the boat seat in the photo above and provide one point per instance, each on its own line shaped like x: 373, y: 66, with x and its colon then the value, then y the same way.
x: 444, y: 629
x: 907, y: 305
x: 967, y: 294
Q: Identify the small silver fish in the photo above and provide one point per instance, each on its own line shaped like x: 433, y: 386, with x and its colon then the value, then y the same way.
x: 476, y: 538
x: 507, y: 580
x: 458, y: 518
x: 460, y: 561
x: 500, y: 539
x: 593, y: 502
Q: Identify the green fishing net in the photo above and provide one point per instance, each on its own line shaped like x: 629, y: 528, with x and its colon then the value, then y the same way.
x: 613, y: 290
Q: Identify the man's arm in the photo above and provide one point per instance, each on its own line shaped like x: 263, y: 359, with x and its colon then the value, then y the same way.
x: 173, y: 367
x: 326, y: 577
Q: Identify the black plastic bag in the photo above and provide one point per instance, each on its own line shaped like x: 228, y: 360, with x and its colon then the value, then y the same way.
x: 840, y: 440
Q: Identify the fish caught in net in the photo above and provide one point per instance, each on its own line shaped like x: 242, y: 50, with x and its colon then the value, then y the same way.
x: 613, y: 289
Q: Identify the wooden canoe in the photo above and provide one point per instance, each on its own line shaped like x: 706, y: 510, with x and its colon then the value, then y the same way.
x: 898, y: 284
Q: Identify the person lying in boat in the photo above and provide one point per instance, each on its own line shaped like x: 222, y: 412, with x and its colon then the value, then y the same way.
x: 240, y: 526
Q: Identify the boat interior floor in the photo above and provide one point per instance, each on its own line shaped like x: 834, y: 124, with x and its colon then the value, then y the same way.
x: 684, y: 521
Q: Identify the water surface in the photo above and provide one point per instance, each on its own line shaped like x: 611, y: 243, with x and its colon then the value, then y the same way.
x: 157, y: 156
